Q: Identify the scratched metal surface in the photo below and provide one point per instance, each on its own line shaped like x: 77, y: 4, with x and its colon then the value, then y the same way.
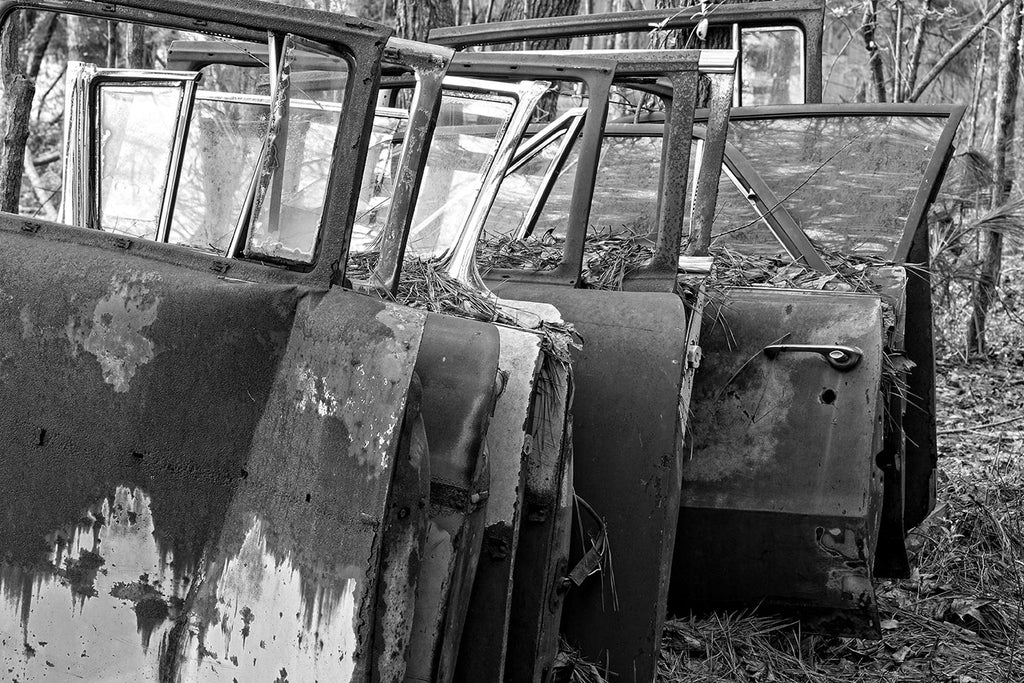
x: 484, y: 640
x: 782, y: 496
x: 195, y: 470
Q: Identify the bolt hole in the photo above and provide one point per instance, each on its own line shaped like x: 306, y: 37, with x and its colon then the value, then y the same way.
x: 828, y: 397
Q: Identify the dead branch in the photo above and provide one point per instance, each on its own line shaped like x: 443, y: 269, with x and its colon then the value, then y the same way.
x: 956, y: 49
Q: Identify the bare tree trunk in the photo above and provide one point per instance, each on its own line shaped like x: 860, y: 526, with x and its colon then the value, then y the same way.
x: 20, y: 64
x: 135, y: 56
x: 1006, y: 110
x: 867, y: 30
x: 917, y: 47
x: 113, y: 44
x: 979, y: 78
x: 897, y: 58
x: 415, y: 18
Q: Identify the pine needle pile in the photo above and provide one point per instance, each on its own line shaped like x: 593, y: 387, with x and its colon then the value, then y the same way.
x: 426, y: 285
x: 611, y: 256
x: 608, y: 256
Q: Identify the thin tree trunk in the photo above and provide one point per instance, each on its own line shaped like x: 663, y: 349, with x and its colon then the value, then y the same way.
x: 867, y: 30
x: 979, y: 78
x: 1006, y: 110
x: 897, y: 58
x: 916, y: 49
x: 19, y: 84
x: 135, y: 46
x: 113, y: 44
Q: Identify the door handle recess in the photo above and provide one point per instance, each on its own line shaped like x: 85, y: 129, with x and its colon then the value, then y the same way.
x: 842, y: 358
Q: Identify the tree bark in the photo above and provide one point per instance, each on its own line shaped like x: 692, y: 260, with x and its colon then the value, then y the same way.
x: 917, y: 47
x: 20, y: 65
x: 979, y: 78
x: 867, y: 30
x: 415, y: 18
x: 135, y: 55
x: 1006, y: 110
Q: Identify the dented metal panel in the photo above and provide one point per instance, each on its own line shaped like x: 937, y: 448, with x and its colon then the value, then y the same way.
x: 458, y: 365
x: 483, y: 648
x: 782, y: 466
x: 197, y: 470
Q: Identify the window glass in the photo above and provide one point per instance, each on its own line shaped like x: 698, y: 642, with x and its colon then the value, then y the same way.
x: 378, y: 183
x: 737, y: 224
x: 498, y: 246
x: 136, y: 135
x: 772, y: 66
x: 296, y: 161
x: 461, y: 151
x: 223, y: 147
x: 848, y: 181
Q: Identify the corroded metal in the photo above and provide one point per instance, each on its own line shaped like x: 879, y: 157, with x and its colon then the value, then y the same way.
x: 759, y: 425
x: 544, y: 531
x: 483, y: 649
x: 807, y: 15
x: 201, y: 466
x: 458, y: 364
x: 630, y: 380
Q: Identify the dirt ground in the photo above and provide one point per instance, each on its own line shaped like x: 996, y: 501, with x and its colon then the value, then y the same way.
x: 959, y: 617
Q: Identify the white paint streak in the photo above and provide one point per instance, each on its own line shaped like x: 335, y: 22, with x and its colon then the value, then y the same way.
x: 114, y: 334
x: 314, y: 394
x: 521, y: 357
x: 259, y: 625
x: 74, y: 637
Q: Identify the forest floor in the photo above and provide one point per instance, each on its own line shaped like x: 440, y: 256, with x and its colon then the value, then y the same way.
x: 960, y: 617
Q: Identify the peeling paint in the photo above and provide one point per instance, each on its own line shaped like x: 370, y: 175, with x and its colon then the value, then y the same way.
x: 315, y: 395
x: 251, y: 619
x: 114, y: 332
x: 90, y: 616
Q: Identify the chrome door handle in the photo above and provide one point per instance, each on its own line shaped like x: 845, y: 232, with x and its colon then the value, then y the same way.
x: 842, y: 358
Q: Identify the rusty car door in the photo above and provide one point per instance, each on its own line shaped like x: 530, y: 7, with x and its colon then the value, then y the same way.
x: 188, y: 413
x: 743, y: 448
x: 626, y: 459
x: 473, y: 142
